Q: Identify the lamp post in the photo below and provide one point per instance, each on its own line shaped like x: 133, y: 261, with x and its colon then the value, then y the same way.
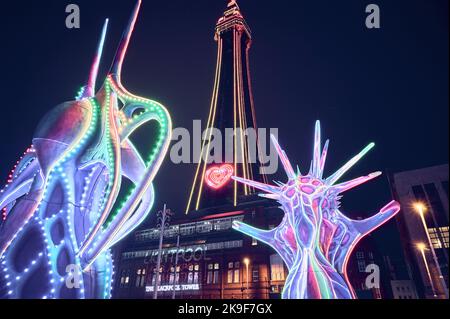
x: 163, y: 222
x: 175, y: 272
x: 247, y: 264
x: 422, y: 247
x: 421, y: 210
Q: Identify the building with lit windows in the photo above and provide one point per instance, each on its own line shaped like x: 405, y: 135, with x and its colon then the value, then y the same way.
x: 212, y: 261
x: 424, y: 192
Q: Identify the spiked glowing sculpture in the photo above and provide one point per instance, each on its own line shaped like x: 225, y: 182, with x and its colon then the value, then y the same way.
x: 60, y: 210
x: 315, y: 239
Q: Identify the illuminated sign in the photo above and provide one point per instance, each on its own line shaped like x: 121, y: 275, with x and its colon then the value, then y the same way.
x: 218, y: 176
x: 192, y: 287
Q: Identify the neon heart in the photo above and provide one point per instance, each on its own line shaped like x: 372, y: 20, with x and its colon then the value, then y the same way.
x: 218, y: 176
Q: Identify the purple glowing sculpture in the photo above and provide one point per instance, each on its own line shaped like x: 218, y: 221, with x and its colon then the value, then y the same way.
x: 315, y: 239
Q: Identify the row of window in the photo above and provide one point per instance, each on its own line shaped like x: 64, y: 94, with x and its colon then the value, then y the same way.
x: 436, y: 234
x: 189, y: 229
x: 190, y: 274
x: 191, y: 249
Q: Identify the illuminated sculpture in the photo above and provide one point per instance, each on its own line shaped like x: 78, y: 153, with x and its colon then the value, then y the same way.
x: 60, y: 208
x: 315, y: 239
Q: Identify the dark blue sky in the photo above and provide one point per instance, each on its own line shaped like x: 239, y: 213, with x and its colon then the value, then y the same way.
x: 310, y: 60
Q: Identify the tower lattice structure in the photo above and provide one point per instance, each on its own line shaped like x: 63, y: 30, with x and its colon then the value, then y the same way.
x: 232, y: 107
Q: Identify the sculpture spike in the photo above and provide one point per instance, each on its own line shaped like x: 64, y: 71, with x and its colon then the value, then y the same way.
x: 279, y: 184
x: 299, y: 173
x: 336, y: 176
x: 264, y: 187
x: 116, y: 68
x: 284, y: 159
x: 315, y: 170
x: 341, y: 188
x: 270, y: 196
x: 90, y: 88
x: 323, y: 159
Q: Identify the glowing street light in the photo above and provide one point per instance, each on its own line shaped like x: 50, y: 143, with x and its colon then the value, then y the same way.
x: 247, y: 264
x: 421, y: 209
x: 422, y: 247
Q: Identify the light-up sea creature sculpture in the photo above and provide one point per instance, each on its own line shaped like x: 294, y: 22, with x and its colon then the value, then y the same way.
x: 315, y: 239
x: 60, y: 209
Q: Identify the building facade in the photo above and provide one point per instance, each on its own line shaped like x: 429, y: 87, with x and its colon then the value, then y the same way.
x: 427, y: 188
x: 203, y: 258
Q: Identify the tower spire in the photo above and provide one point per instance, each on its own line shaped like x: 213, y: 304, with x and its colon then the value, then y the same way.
x: 233, y: 3
x: 232, y: 108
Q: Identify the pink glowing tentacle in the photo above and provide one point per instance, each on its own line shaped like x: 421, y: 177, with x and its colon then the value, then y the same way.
x: 90, y: 88
x: 341, y: 188
x: 367, y: 226
x: 116, y: 69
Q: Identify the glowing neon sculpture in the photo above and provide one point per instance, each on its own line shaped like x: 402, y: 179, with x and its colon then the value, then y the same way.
x: 315, y: 239
x: 218, y: 176
x: 60, y: 207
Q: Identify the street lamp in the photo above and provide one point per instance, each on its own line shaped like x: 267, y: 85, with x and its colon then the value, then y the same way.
x: 247, y: 264
x: 164, y: 217
x: 422, y: 247
x: 421, y: 209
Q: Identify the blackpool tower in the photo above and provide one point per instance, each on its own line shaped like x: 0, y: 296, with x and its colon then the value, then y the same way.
x: 232, y: 110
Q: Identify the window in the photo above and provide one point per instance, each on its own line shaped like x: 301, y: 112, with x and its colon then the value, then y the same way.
x: 254, y: 242
x: 204, y: 227
x: 188, y: 229
x: 223, y: 224
x: 360, y: 255
x: 234, y: 269
x: 125, y: 278
x: 140, y: 277
x: 173, y: 276
x: 436, y: 239
x: 213, y: 274
x: 276, y: 268
x: 193, y: 274
x: 159, y: 275
x: 439, y: 213
x: 361, y: 266
x: 255, y: 274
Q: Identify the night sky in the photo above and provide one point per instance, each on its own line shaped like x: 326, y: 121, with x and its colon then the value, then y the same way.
x: 310, y: 60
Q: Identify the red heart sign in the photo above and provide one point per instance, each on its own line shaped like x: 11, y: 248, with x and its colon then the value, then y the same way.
x: 216, y: 177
